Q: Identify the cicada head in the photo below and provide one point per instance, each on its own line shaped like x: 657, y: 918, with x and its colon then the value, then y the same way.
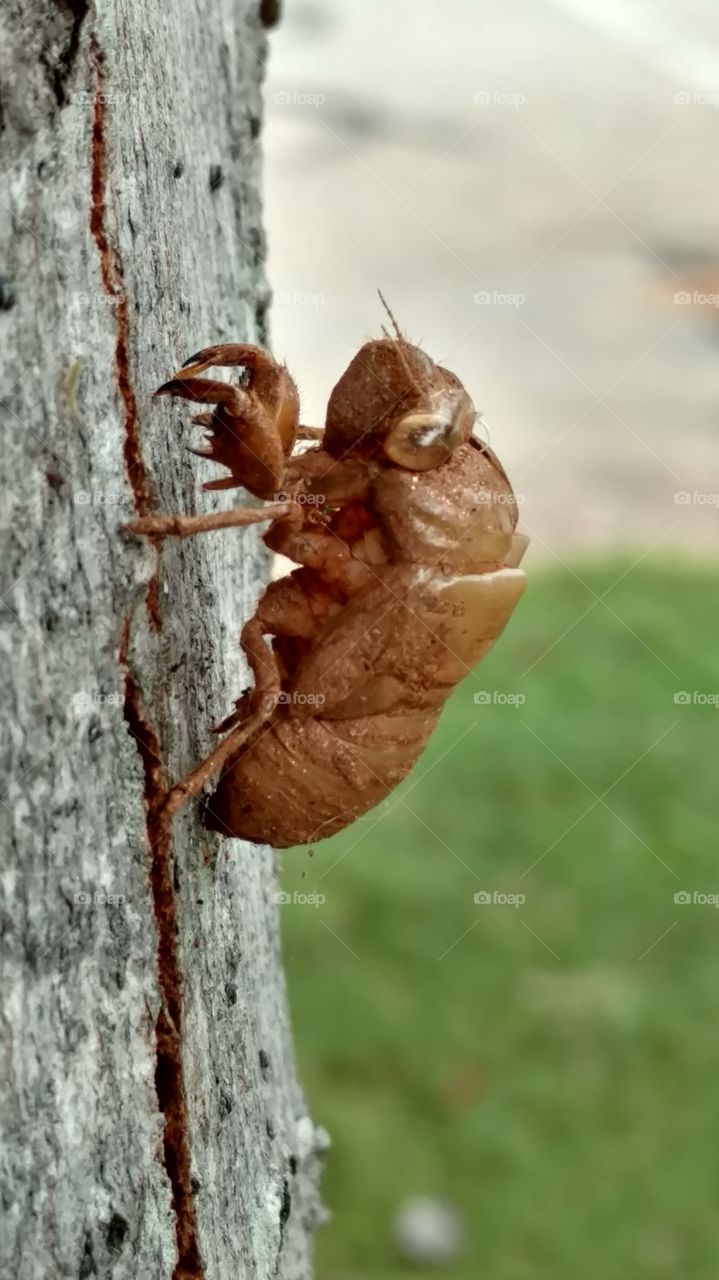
x: 395, y: 405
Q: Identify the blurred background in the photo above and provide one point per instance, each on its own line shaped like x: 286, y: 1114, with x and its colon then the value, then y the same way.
x: 503, y: 981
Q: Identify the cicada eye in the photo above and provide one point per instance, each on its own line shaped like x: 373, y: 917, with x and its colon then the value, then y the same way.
x: 427, y: 438
x: 420, y: 441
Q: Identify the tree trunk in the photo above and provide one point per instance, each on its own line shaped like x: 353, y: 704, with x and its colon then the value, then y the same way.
x: 153, y: 1125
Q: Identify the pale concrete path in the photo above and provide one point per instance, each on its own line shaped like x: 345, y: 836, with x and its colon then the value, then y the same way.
x: 530, y: 185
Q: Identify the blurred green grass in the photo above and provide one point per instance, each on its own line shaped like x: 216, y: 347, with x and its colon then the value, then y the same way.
x: 549, y: 1068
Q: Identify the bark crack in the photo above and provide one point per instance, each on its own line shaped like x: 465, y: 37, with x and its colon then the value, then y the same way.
x: 168, y: 1027
x: 169, y: 1082
x: 114, y: 286
x: 62, y: 70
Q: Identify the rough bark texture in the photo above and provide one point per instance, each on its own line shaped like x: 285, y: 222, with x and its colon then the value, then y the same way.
x: 153, y: 1125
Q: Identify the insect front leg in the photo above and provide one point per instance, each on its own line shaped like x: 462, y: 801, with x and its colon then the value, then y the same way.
x: 253, y: 427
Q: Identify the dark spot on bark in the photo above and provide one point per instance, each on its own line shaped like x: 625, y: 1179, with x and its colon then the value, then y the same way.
x: 261, y: 309
x: 195, y: 1184
x: 293, y: 1165
x: 224, y: 1106
x: 94, y: 729
x: 286, y: 1203
x: 270, y: 13
x: 231, y: 992
x: 54, y: 480
x: 269, y: 1129
x: 264, y: 1060
x: 178, y: 170
x: 176, y: 878
x: 217, y: 177
x: 255, y: 126
x: 131, y: 225
x: 115, y: 1232
x: 87, y: 1262
x: 7, y: 294
x: 257, y: 245
x: 62, y: 69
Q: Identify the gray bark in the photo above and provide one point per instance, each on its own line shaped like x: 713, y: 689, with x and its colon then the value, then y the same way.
x: 152, y: 1121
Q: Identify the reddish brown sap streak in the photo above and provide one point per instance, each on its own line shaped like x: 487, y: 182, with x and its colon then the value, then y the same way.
x: 168, y: 1028
x: 113, y: 284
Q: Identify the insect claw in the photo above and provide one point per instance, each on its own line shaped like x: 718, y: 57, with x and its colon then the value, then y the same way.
x: 167, y: 389
x: 203, y: 419
x: 197, y: 356
x: 200, y: 453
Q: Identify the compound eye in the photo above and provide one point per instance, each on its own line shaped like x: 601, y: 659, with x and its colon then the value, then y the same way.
x: 420, y: 441
x: 428, y: 437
